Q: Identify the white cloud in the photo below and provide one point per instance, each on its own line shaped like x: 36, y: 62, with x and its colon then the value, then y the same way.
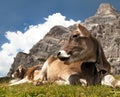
x: 24, y: 41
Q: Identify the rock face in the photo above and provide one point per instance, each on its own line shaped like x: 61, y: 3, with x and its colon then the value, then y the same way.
x: 104, y: 25
x: 106, y: 9
x: 50, y: 44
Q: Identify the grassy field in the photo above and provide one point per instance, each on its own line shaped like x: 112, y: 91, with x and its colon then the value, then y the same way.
x: 29, y: 90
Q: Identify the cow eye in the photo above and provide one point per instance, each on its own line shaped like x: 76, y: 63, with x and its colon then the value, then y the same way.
x: 17, y: 70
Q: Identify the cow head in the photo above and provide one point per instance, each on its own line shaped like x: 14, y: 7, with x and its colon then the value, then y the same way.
x: 82, y: 46
x: 79, y: 47
x: 19, y: 72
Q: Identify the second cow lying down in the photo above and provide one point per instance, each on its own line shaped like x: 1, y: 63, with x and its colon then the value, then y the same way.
x: 24, y: 75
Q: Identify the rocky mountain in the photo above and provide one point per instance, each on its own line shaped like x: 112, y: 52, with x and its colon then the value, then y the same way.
x: 104, y: 25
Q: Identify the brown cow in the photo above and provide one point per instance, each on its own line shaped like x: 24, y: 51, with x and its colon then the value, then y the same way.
x: 80, y: 61
x: 24, y: 75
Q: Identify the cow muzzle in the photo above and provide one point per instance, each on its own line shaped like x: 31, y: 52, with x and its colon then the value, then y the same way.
x: 62, y: 55
x: 13, y: 75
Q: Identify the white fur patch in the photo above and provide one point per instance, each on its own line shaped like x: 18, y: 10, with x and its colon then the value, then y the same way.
x: 83, y: 82
x: 14, y: 80
x: 62, y: 82
x: 24, y: 80
x: 64, y: 54
x: 108, y: 80
x: 42, y: 73
x: 13, y: 76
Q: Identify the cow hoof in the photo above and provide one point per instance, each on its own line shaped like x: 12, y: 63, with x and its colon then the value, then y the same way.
x: 37, y: 83
x: 83, y: 82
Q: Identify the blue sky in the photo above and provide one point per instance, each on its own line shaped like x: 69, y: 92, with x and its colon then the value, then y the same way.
x: 18, y: 14
x: 22, y: 20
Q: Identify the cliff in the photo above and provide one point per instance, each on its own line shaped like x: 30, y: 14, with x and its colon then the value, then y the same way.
x: 104, y: 25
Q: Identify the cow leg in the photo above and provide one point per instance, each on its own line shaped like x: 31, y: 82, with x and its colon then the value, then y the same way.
x: 20, y: 82
x: 72, y: 79
x: 42, y: 72
x: 62, y: 82
x: 83, y: 82
x: 80, y: 81
x: 14, y: 80
x: 38, y: 79
x: 75, y: 79
x: 109, y: 80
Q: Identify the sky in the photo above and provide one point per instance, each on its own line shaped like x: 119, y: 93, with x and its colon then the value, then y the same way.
x: 24, y: 22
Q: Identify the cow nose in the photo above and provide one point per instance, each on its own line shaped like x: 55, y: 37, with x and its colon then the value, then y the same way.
x: 63, y: 53
x: 13, y: 76
x: 59, y: 53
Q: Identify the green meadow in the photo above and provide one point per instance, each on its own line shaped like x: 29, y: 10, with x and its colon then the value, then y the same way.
x: 53, y: 90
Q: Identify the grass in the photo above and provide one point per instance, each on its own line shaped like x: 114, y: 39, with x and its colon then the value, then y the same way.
x: 53, y: 90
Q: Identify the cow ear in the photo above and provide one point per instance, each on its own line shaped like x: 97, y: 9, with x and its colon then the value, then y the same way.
x: 83, y: 31
x: 102, y: 63
x: 21, y: 67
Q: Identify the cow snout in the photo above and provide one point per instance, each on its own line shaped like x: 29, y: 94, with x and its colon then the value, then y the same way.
x: 59, y: 53
x: 62, y: 55
x: 13, y: 76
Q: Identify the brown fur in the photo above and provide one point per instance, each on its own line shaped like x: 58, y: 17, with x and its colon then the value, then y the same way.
x: 29, y: 72
x: 58, y: 70
x: 19, y: 72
